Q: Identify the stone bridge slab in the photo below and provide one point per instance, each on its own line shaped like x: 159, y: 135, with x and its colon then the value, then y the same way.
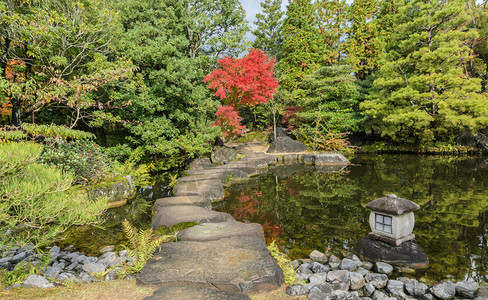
x: 237, y: 264
x: 172, y: 215
x: 215, y: 231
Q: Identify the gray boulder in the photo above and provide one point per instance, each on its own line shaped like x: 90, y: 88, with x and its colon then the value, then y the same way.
x: 317, y: 267
x: 349, y: 264
x: 357, y: 280
x: 223, y: 155
x: 343, y: 295
x: 379, y: 281
x: 93, y: 268
x: 383, y: 268
x: 320, y: 291
x: 395, y: 288
x: 466, y: 289
x: 304, y: 269
x: 296, y: 290
x: 334, y: 262
x: 339, y: 280
x: 318, y: 256
x: 444, y: 290
x: 367, y: 265
x: 52, y: 272
x: 200, y: 163
x: 285, y: 144
x: 368, y: 289
x: 280, y: 132
x: 415, y: 288
x: 38, y: 281
x: 317, y: 278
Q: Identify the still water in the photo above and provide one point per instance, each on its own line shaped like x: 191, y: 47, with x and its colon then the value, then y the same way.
x: 304, y: 209
x: 90, y: 239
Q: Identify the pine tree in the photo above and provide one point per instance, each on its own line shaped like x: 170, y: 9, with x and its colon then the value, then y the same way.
x: 269, y: 28
x: 332, y: 25
x: 424, y: 91
x: 364, y: 44
x: 302, y: 48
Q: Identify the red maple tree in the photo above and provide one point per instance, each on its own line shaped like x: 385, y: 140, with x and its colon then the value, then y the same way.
x: 241, y: 81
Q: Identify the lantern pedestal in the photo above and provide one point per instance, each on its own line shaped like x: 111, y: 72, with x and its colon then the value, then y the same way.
x: 392, y: 241
x: 408, y: 254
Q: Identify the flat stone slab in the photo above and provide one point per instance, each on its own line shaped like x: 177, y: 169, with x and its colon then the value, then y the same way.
x: 172, y: 215
x: 211, y: 189
x: 215, y: 231
x: 234, y: 172
x: 190, y: 293
x: 201, y: 177
x: 327, y: 159
x: 408, y: 254
x: 181, y: 200
x: 238, y: 264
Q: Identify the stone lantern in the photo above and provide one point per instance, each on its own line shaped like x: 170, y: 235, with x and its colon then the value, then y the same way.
x: 391, y: 219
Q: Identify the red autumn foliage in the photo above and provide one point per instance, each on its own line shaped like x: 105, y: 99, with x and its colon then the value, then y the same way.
x: 242, y: 81
x: 291, y: 118
x: 228, y: 119
x: 14, y: 70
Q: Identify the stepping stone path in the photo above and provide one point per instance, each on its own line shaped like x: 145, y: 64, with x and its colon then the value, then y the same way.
x: 219, y: 258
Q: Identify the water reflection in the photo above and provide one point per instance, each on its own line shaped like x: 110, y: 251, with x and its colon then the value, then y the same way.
x: 90, y: 239
x: 308, y: 210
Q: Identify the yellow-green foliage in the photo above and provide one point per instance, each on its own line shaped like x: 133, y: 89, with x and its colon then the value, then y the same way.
x: 139, y: 173
x: 254, y: 136
x: 143, y: 244
x: 284, y: 263
x: 44, y: 131
x: 54, y: 131
x: 38, y: 202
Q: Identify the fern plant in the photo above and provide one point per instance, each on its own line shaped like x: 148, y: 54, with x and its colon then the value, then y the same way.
x: 143, y: 244
x: 288, y: 271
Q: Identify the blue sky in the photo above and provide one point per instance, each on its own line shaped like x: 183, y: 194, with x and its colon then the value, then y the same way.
x: 252, y: 7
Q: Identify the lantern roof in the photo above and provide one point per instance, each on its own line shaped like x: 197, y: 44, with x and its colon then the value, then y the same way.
x: 392, y: 204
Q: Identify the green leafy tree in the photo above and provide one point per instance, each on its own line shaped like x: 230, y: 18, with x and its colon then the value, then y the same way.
x: 332, y: 26
x: 173, y: 43
x: 479, y: 22
x: 329, y: 104
x: 424, y: 90
x: 365, y: 41
x: 302, y: 47
x: 269, y: 28
x: 56, y: 52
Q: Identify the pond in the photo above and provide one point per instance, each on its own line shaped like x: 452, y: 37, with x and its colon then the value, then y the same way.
x: 90, y: 239
x: 305, y: 210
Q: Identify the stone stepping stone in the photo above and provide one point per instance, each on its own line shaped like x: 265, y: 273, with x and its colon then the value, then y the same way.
x: 238, y: 264
x: 235, y: 172
x: 181, y: 200
x: 190, y: 293
x: 328, y: 159
x: 211, y: 189
x: 215, y: 231
x: 201, y: 177
x: 172, y: 215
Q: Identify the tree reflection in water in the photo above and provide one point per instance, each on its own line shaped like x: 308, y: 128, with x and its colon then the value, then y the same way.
x: 305, y: 210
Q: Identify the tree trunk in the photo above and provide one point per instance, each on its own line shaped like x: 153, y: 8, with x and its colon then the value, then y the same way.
x: 16, y: 112
x: 274, y: 124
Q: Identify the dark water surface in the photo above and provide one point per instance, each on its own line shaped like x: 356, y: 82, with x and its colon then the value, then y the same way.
x: 306, y: 210
x: 90, y: 239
